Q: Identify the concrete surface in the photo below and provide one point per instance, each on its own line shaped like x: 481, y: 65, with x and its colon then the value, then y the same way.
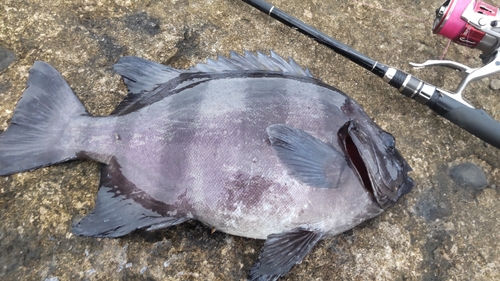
x: 446, y: 229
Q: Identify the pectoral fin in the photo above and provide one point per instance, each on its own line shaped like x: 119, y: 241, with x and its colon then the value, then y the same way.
x: 281, y: 252
x: 310, y: 160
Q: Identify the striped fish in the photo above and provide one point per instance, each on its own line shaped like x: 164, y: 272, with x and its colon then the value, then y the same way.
x: 251, y: 145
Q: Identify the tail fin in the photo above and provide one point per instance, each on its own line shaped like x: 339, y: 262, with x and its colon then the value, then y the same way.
x: 46, y: 107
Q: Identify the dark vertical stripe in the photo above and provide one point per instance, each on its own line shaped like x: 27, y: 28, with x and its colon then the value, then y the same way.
x: 183, y: 112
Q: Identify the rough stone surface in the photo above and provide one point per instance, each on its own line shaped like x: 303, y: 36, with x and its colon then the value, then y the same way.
x: 495, y: 84
x: 440, y: 231
x: 468, y: 175
x: 6, y: 58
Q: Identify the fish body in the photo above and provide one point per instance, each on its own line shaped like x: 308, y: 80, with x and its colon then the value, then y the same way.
x: 252, y: 146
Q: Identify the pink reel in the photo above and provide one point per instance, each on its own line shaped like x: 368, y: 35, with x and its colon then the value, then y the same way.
x: 451, y: 23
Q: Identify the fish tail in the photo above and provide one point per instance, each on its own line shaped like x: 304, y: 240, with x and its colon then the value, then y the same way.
x: 32, y: 139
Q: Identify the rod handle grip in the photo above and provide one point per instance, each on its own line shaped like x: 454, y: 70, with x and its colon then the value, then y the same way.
x: 474, y: 121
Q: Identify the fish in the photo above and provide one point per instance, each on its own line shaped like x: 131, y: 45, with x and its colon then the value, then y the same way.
x: 252, y: 145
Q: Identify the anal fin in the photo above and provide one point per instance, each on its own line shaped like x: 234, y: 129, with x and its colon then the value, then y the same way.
x: 122, y: 208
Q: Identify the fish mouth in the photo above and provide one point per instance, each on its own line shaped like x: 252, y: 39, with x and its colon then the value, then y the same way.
x: 353, y: 156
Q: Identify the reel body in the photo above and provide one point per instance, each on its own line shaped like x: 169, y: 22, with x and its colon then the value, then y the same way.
x: 474, y: 24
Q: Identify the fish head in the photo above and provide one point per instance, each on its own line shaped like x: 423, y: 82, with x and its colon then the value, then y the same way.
x: 371, y: 152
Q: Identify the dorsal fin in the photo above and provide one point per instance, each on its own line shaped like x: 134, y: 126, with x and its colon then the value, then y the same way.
x: 142, y: 75
x: 250, y: 62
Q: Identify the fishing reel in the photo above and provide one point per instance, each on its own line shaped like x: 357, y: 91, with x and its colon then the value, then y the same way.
x: 474, y: 24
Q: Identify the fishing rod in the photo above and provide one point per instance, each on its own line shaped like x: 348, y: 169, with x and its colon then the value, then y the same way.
x: 455, y: 19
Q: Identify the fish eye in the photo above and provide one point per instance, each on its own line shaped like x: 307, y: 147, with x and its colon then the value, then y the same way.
x: 391, y: 146
x: 388, y: 140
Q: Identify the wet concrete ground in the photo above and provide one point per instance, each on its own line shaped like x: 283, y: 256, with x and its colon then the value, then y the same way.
x: 446, y: 229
